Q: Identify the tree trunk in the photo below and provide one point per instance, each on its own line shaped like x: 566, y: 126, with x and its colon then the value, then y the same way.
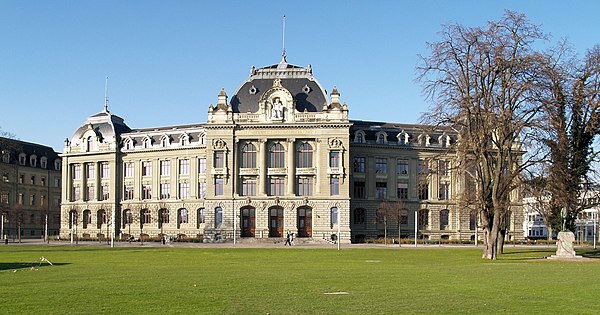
x: 549, y: 227
x: 501, y: 240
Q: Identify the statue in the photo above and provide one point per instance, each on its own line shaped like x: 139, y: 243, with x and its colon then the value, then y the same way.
x: 277, y: 109
x: 564, y: 245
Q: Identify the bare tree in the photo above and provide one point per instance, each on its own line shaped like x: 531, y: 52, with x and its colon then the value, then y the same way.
x: 18, y: 216
x: 480, y: 80
x: 569, y: 93
x: 394, y: 211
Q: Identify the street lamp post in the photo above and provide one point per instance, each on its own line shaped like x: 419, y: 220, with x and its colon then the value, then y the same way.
x: 338, y: 229
x: 416, y: 225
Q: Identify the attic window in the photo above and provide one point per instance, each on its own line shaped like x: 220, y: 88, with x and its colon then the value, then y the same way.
x: 43, y: 162
x: 22, y: 159
x: 359, y: 137
x: 185, y: 140
x: 6, y: 157
x: 33, y: 161
x: 252, y: 90
x: 57, y: 164
x: 164, y: 141
x: 306, y: 89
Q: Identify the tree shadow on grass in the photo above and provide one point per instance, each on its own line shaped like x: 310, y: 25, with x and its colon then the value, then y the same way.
x: 27, y: 265
x: 592, y: 253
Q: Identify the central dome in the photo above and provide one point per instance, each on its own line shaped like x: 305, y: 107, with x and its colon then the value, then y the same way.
x: 307, y: 92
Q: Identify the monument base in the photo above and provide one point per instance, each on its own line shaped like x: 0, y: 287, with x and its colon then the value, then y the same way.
x: 564, y: 257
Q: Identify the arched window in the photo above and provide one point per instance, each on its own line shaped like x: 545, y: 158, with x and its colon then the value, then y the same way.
x: 146, y: 217
x: 184, y: 140
x: 33, y: 160
x: 90, y: 143
x: 147, y: 143
x: 218, y: 217
x: 277, y: 156
x: 333, y: 216
x: 200, y: 217
x: 164, y: 142
x: 183, y: 216
x: 44, y: 162
x: 87, y: 218
x: 305, y: 155
x: 73, y: 217
x: 381, y: 138
x: 101, y: 218
x: 163, y: 217
x: 359, y: 137
x: 444, y: 219
x: 127, y: 217
x: 359, y: 216
x: 249, y: 156
x: 128, y: 144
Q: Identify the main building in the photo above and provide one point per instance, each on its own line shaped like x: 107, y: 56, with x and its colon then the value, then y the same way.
x: 279, y: 156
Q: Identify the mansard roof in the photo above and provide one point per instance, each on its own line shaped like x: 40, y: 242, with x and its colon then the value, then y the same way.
x: 305, y: 89
x: 393, y: 130
x: 16, y: 147
x: 105, y: 124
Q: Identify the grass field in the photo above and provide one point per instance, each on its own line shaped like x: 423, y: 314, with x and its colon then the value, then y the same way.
x: 126, y: 280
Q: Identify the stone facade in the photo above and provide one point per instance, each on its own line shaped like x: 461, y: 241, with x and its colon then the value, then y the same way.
x: 279, y: 156
x: 29, y: 190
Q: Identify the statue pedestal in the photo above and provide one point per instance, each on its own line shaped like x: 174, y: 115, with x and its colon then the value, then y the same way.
x: 565, y: 248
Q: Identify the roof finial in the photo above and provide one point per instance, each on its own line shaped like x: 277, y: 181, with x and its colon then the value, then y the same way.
x: 283, y: 41
x: 106, y: 95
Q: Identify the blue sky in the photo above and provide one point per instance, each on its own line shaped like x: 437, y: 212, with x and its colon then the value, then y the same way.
x: 168, y: 60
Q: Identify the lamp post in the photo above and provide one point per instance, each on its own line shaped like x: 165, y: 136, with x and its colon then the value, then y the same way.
x: 235, y: 218
x: 2, y: 233
x: 416, y: 225
x: 338, y: 229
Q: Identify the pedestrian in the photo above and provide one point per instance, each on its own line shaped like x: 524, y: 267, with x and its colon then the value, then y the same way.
x: 288, y: 239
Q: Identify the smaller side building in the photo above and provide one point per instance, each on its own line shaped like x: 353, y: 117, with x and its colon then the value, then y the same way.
x: 30, y: 190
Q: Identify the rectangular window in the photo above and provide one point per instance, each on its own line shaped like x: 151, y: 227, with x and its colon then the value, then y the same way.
x: 444, y: 168
x: 381, y: 189
x: 105, y: 170
x: 128, y: 193
x: 218, y: 186
x: 359, y: 190
x: 334, y: 159
x: 4, y: 197
x: 21, y: 179
x: 219, y: 159
x: 402, y: 191
x: 146, y: 191
x: 444, y: 191
x: 128, y: 169
x: 77, y: 171
x: 32, y: 180
x: 248, y: 187
x: 380, y: 166
x: 202, y: 190
x: 76, y: 193
x: 402, y: 167
x: 57, y: 182
x: 359, y: 165
x: 423, y: 189
x: 334, y: 186
x: 184, y: 190
x: 32, y: 200
x: 305, y: 186
x: 422, y: 167
x: 105, y: 191
x: 43, y: 181
x: 277, y: 186
x: 146, y: 168
x: 202, y: 166
x: 165, y: 168
x: 165, y: 191
x: 184, y: 167
x: 90, y: 193
x: 91, y: 170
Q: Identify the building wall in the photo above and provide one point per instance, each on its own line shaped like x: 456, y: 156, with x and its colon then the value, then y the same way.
x: 29, y: 189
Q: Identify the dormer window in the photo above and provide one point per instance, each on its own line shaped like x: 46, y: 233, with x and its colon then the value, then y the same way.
x: 22, y: 157
x: 43, y: 162
x: 403, y: 138
x: 203, y: 138
x: 147, y: 143
x: 165, y: 141
x: 57, y: 164
x: 359, y: 137
x: 184, y: 140
x: 33, y: 160
x: 90, y: 143
x: 444, y: 140
x: 6, y: 157
x: 129, y: 144
x: 381, y: 138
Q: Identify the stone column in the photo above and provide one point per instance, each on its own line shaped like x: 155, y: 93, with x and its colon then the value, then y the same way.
x: 291, y: 167
x: 262, y: 166
x: 317, y: 165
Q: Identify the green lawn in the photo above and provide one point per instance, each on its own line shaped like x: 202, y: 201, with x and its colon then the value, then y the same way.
x: 94, y: 279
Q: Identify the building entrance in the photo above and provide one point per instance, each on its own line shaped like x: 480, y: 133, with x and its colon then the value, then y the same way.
x: 276, y: 222
x: 304, y: 222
